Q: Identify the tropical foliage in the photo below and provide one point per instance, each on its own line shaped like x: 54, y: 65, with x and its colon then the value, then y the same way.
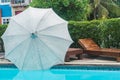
x: 104, y: 9
x: 82, y: 9
x: 117, y: 2
x: 67, y: 9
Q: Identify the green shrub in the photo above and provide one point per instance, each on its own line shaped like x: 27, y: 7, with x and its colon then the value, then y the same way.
x: 103, y: 32
x: 2, y: 30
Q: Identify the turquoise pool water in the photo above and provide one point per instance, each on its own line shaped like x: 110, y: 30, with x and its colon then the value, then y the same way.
x: 58, y: 74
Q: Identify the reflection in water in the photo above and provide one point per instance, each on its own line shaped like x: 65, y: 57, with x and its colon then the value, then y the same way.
x: 58, y: 74
x: 55, y: 74
x: 38, y: 75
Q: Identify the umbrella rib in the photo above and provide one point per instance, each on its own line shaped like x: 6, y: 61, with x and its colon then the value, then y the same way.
x: 41, y: 19
x: 50, y: 27
x: 21, y: 25
x: 55, y: 37
x: 40, y: 57
x: 40, y: 63
x: 24, y: 58
x: 15, y: 35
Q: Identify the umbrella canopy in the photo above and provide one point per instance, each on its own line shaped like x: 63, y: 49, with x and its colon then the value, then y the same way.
x: 36, y: 39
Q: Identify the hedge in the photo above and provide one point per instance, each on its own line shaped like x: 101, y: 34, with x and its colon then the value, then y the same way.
x: 106, y: 33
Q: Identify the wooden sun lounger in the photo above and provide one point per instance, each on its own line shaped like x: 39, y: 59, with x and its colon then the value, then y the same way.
x: 91, y: 48
x: 73, y: 51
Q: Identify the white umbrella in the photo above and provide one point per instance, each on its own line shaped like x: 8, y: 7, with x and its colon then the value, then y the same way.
x: 36, y: 39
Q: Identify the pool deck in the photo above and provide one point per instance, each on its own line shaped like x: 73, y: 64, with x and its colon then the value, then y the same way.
x: 84, y: 61
x: 97, y: 61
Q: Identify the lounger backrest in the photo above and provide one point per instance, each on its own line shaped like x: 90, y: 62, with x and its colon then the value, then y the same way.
x: 88, y: 43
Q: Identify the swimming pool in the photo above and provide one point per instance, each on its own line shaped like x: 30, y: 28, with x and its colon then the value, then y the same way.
x: 60, y: 74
